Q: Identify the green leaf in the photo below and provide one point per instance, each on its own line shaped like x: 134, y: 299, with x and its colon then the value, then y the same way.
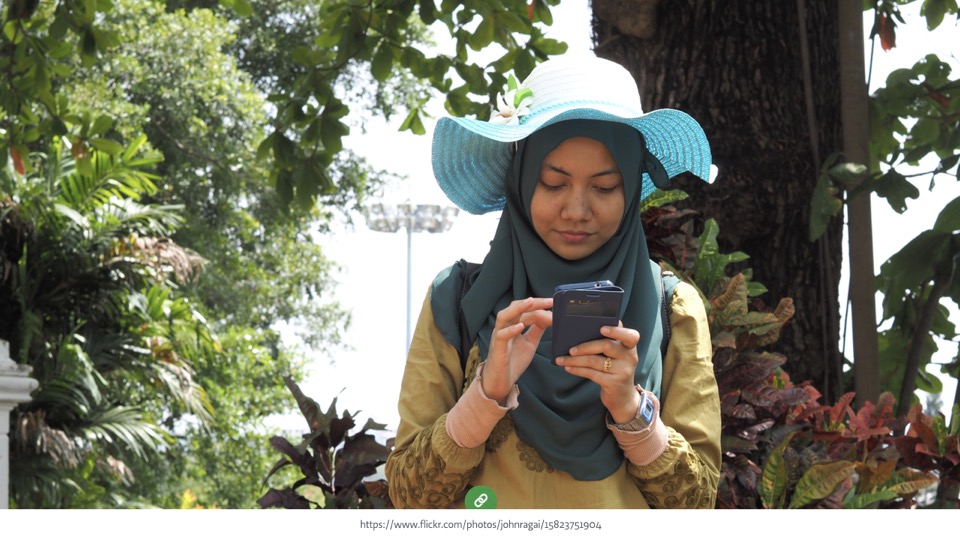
x: 868, y: 500
x: 513, y: 22
x: 483, y: 35
x: 242, y: 8
x: 332, y: 132
x: 414, y: 60
x: 427, y: 11
x: 775, y: 478
x: 72, y: 215
x: 525, y: 64
x: 133, y: 147
x: 521, y: 95
x: 933, y: 11
x: 88, y: 48
x: 824, y: 206
x: 550, y: 47
x: 925, y: 131
x: 308, y: 180
x: 660, y: 198
x: 906, y: 481
x: 11, y: 29
x: 106, y: 39
x: 928, y: 383
x: 382, y: 64
x: 265, y: 147
x: 106, y: 145
x: 949, y: 219
x: 542, y: 13
x: 896, y: 189
x: 101, y: 125
x: 457, y: 103
x: 848, y: 172
x: 471, y: 74
x: 413, y: 123
x: 820, y: 481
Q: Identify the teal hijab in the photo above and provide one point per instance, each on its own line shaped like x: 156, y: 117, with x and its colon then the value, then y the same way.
x: 559, y: 414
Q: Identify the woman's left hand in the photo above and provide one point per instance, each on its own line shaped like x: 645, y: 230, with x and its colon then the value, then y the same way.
x: 611, y: 363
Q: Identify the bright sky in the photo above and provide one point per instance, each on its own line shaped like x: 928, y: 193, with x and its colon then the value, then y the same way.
x: 373, y: 281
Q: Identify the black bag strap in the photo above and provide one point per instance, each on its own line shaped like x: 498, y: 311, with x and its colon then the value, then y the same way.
x: 469, y: 271
x: 668, y: 282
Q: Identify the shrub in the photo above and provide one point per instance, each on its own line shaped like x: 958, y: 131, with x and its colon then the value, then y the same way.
x: 332, y: 462
x: 781, y: 447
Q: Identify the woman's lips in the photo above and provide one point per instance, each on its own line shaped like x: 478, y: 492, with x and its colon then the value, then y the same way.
x: 574, y: 236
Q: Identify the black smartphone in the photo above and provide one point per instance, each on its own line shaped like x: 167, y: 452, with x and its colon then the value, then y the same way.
x: 580, y: 310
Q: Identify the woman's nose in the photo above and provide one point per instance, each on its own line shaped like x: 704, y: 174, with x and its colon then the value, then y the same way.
x: 576, y: 206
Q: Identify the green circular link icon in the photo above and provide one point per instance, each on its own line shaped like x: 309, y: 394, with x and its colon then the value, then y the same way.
x: 480, y: 497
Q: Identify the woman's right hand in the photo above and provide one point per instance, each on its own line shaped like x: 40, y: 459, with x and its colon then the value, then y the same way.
x: 512, y: 349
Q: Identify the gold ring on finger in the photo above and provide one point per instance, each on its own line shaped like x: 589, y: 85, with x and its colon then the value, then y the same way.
x: 606, y: 365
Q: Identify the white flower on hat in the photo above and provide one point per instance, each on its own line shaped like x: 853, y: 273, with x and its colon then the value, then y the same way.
x: 513, y: 104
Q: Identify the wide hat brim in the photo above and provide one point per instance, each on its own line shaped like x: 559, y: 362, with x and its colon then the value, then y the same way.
x: 471, y: 157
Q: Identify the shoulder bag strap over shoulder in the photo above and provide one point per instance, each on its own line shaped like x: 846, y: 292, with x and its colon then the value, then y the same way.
x: 468, y: 272
x: 668, y: 282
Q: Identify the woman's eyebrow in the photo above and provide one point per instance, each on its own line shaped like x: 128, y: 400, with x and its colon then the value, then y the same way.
x: 561, y: 170
x: 605, y: 172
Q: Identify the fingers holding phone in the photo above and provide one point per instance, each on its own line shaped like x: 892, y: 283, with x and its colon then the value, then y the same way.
x: 611, y: 363
x: 514, y: 341
x: 589, y: 341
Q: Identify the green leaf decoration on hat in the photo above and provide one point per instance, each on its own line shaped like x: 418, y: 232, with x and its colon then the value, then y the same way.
x: 512, y: 104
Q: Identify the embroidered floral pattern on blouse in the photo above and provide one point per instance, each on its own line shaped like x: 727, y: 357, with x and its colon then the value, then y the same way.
x: 427, y: 485
x: 500, y: 432
x: 531, y: 458
x: 688, y: 483
x: 473, y: 362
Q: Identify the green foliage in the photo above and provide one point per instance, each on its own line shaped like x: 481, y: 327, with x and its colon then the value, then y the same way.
x: 669, y: 231
x: 89, y: 307
x: 914, y: 121
x: 826, y: 203
x: 926, y: 95
x: 915, y: 282
x: 734, y: 325
x: 196, y: 96
x: 781, y: 448
x: 311, y: 113
x: 709, y: 264
x: 333, y: 462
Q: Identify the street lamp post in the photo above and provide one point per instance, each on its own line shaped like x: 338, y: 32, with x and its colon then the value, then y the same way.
x: 431, y: 218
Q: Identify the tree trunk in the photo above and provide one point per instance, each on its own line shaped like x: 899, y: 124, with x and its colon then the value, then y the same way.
x: 769, y: 103
x: 856, y: 148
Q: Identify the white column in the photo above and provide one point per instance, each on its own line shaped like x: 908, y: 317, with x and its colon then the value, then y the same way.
x: 15, y: 387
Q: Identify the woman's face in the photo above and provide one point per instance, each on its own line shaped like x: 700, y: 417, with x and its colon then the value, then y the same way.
x: 578, y: 203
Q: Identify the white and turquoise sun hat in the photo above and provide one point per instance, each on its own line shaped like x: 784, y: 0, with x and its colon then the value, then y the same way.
x: 471, y: 157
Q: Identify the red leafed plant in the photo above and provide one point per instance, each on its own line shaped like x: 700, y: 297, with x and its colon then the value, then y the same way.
x: 781, y: 447
x: 332, y: 462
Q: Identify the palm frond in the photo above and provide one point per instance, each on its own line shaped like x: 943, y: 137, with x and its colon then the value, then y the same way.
x: 123, y: 428
x: 101, y: 178
x: 70, y: 382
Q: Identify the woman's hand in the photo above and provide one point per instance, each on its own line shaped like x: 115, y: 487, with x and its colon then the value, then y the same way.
x: 512, y: 349
x: 611, y: 363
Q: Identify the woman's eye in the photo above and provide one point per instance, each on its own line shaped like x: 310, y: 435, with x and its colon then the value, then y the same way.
x: 550, y: 187
x: 606, y: 190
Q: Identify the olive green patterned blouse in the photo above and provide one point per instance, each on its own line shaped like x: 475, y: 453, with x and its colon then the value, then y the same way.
x: 427, y: 469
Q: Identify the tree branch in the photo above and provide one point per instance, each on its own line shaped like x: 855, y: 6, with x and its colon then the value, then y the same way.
x: 942, y: 279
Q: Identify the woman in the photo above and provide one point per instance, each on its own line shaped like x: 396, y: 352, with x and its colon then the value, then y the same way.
x: 568, y: 157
